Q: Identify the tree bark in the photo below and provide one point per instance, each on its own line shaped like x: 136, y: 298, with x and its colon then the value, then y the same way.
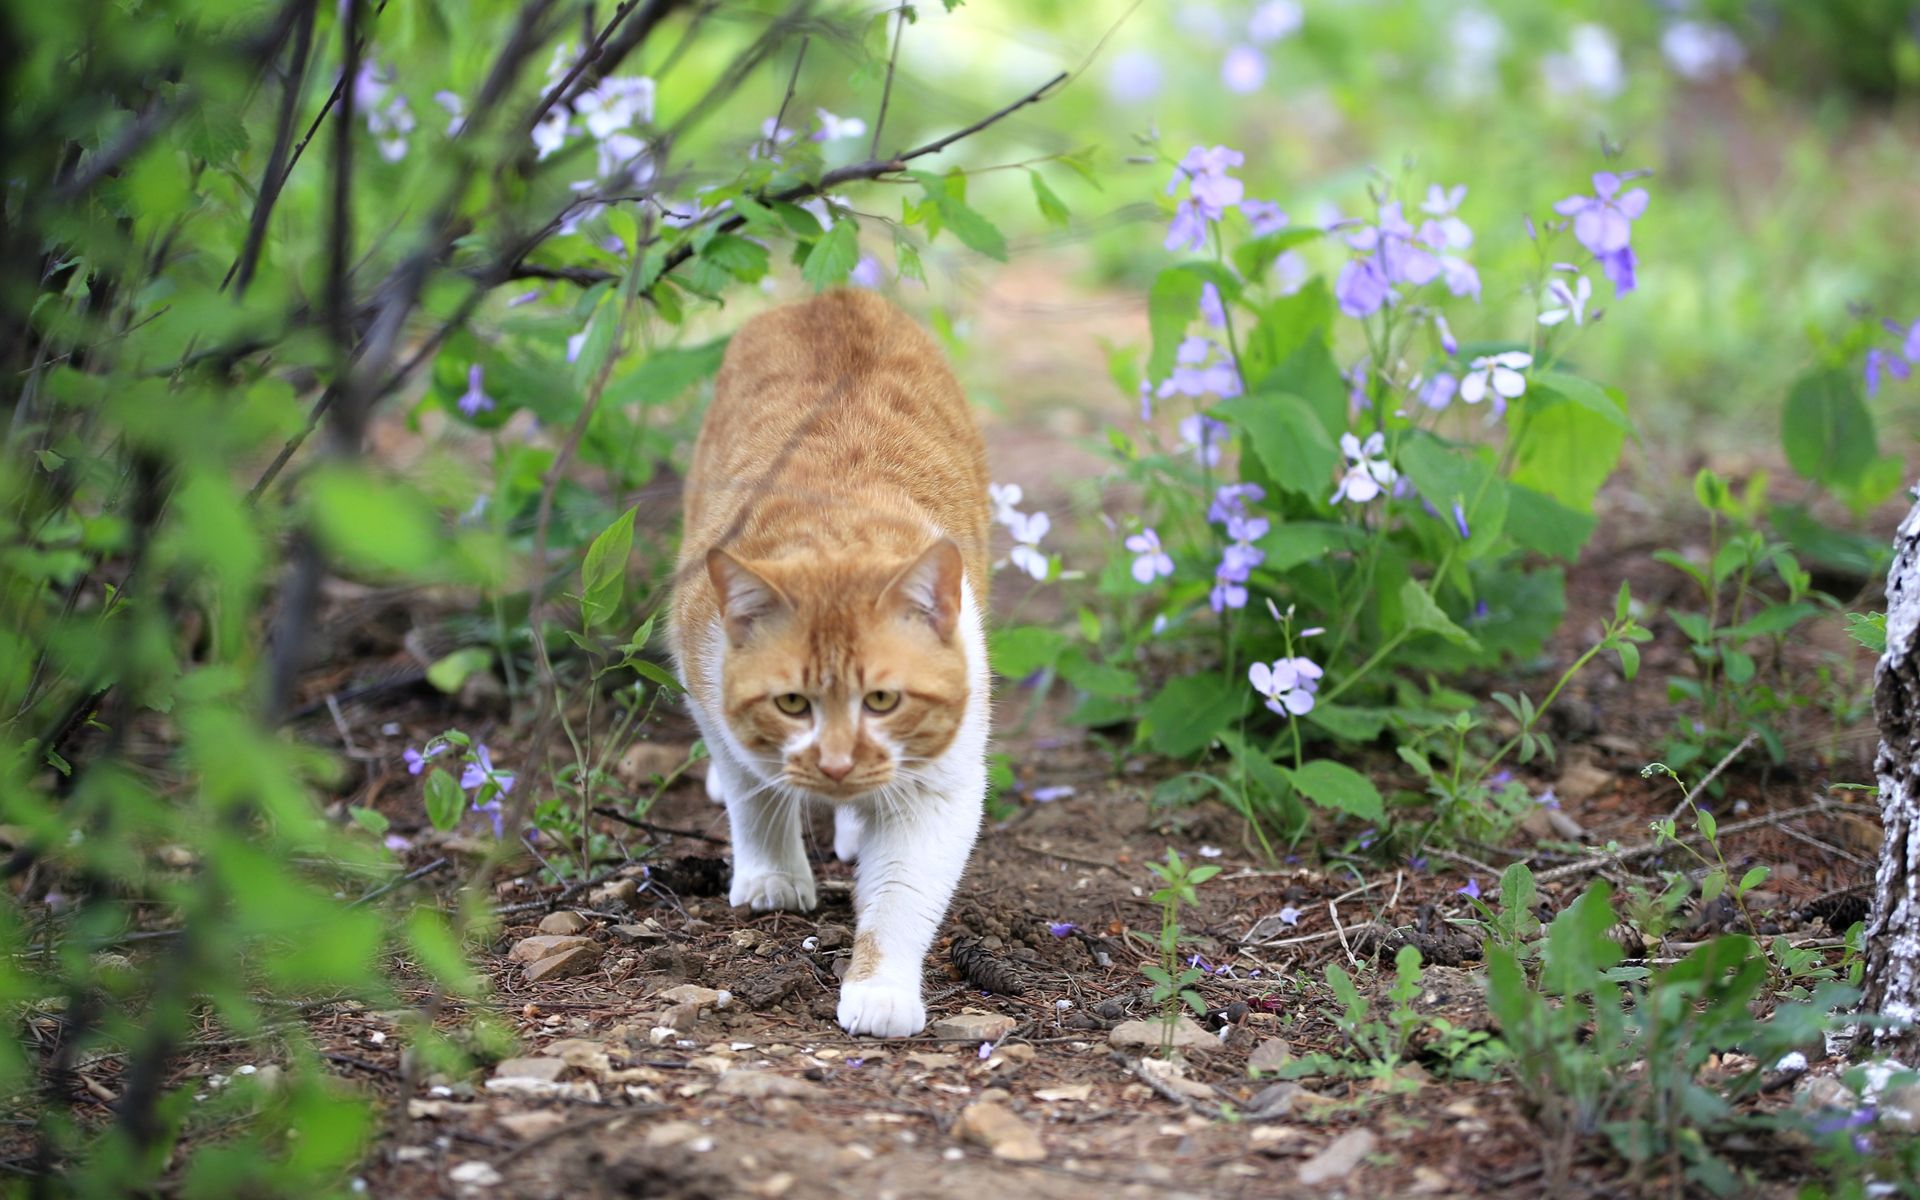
x: 1892, y: 938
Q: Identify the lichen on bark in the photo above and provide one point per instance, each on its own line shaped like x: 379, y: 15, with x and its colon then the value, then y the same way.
x: 1892, y: 935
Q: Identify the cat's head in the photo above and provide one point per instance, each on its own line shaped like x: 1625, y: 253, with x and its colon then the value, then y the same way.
x: 843, y: 675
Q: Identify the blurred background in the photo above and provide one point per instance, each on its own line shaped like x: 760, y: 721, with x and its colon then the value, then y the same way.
x: 1781, y: 139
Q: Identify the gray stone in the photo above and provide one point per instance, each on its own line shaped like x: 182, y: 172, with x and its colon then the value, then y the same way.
x: 1147, y: 1035
x: 564, y: 965
x: 546, y: 1070
x: 760, y: 1085
x: 1339, y: 1159
x: 975, y: 1027
x: 1270, y: 1055
x: 534, y: 949
x: 562, y: 923
x: 1000, y: 1132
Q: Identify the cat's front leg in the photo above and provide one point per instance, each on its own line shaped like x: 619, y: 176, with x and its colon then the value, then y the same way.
x: 911, y: 858
x: 770, y: 868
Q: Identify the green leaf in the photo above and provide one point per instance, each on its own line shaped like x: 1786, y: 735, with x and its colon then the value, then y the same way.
x: 1172, y: 301
x: 50, y: 461
x: 655, y: 672
x: 744, y: 260
x: 947, y: 195
x: 1629, y: 659
x: 1017, y: 651
x: 1254, y: 257
x: 1539, y: 522
x: 370, y: 523
x: 1096, y: 678
x: 1826, y: 429
x: 665, y: 374
x: 1577, y: 947
x: 1052, y: 208
x: 603, y: 576
x: 1336, y: 785
x: 599, y: 344
x: 834, y: 256
x: 1587, y: 395
x: 1295, y: 542
x: 1190, y: 710
x: 445, y: 800
x: 1289, y: 439
x: 453, y: 670
x: 1869, y: 629
x: 1349, y: 724
x: 1568, y: 452
x: 1423, y: 615
x: 370, y: 820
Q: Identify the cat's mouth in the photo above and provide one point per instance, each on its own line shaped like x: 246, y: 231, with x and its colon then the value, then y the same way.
x: 854, y: 785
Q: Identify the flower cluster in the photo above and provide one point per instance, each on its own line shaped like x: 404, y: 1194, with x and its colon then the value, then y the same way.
x: 1897, y: 363
x: 1288, y: 684
x: 1240, y: 556
x: 488, y: 783
x: 1603, y: 223
x: 1391, y: 253
x: 1027, y: 529
x: 389, y: 116
x: 1368, y: 472
x: 1210, y: 192
x: 1201, y: 368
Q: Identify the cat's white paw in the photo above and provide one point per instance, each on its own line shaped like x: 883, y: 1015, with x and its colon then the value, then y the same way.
x: 881, y: 1009
x: 716, y: 791
x: 774, y: 889
x: 846, y: 834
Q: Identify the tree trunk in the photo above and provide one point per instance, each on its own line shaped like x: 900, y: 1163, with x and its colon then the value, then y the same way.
x: 1892, y: 939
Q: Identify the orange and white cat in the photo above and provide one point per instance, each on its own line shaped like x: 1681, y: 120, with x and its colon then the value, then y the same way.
x: 828, y: 625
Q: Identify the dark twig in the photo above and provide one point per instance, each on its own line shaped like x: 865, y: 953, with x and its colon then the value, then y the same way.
x: 272, y: 179
x: 616, y: 815
x: 854, y: 172
x: 409, y: 877
x: 793, y: 82
x: 886, y: 89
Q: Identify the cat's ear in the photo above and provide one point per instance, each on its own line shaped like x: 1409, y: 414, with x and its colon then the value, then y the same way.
x: 929, y: 587
x: 745, y: 595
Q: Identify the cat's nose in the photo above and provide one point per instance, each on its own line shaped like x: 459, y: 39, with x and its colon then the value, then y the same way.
x: 836, y: 769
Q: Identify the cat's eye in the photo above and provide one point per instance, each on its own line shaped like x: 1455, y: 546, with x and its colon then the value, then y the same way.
x: 791, y: 703
x: 882, y: 701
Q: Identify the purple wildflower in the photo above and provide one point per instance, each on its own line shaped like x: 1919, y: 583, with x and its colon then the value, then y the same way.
x: 1212, y: 311
x: 1289, y: 915
x: 480, y: 773
x: 1881, y: 362
x: 1150, y: 561
x: 867, y: 273
x: 1288, y: 684
x: 1547, y: 799
x: 985, y: 1052
x: 1471, y: 889
x: 1205, y: 436
x: 1189, y: 228
x: 1060, y: 929
x: 1368, y: 471
x: 1460, y: 523
x: 1603, y: 222
x: 1047, y: 795
x: 1274, y: 20
x: 1231, y: 499
x: 1361, y: 288
x: 417, y: 760
x: 1244, y: 70
x: 1263, y: 216
x: 476, y: 400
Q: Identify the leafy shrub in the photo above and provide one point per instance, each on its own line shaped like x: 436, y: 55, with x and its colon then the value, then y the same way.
x: 234, y: 235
